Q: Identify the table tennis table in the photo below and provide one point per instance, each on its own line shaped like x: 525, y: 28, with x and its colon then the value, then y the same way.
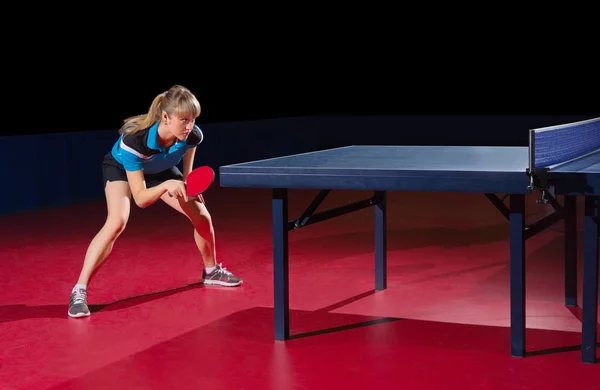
x: 560, y: 161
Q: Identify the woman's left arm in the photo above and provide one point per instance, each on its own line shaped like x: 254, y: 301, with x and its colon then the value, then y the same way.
x: 188, y: 165
x: 188, y: 162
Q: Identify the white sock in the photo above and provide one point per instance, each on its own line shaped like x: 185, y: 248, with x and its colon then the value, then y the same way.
x: 210, y: 269
x: 80, y: 287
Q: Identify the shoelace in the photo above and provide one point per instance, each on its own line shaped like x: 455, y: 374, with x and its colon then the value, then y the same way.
x: 222, y: 269
x: 80, y: 296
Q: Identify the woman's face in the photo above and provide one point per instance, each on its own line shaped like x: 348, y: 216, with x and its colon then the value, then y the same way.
x: 180, y: 126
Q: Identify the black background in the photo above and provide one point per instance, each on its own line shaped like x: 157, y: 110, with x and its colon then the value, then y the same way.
x: 80, y: 73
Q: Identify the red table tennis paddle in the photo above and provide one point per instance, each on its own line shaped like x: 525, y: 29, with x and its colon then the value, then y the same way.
x: 199, y: 180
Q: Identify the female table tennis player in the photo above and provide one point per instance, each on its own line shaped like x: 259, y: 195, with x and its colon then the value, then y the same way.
x: 142, y: 165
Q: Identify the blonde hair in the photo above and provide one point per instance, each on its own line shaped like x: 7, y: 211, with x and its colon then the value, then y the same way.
x: 178, y: 100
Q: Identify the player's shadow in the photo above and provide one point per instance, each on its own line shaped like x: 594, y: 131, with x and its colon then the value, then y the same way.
x: 141, y: 299
x: 10, y: 313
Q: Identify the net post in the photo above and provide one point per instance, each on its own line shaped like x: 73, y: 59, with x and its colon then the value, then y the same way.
x: 537, y: 180
x: 531, y: 169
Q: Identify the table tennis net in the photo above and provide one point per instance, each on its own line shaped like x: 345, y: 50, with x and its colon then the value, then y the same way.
x: 550, y: 146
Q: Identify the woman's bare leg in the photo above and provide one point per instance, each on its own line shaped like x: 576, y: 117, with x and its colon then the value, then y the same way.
x: 204, y: 236
x: 118, y: 201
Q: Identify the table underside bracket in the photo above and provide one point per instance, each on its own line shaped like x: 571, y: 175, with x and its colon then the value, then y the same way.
x: 539, y: 225
x: 309, y: 217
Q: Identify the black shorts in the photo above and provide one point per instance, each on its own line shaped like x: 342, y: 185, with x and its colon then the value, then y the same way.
x: 112, y: 170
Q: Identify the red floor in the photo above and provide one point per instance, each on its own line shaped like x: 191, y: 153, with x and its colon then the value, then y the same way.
x: 442, y: 322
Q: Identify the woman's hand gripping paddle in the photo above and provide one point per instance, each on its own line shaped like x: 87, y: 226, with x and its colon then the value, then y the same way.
x: 199, y: 180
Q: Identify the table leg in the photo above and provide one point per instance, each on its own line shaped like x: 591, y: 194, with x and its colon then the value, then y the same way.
x: 517, y: 275
x: 280, y: 263
x: 570, y: 250
x: 380, y: 244
x: 590, y: 280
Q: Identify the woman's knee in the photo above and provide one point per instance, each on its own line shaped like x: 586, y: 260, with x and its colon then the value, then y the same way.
x: 201, y: 219
x: 115, y: 225
x: 118, y: 197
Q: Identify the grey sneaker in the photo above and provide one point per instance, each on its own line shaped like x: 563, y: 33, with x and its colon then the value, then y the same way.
x: 78, y: 304
x: 220, y: 276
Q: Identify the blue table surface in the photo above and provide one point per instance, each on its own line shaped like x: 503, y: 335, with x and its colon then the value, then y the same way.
x: 375, y: 159
x: 589, y: 164
x: 490, y: 169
